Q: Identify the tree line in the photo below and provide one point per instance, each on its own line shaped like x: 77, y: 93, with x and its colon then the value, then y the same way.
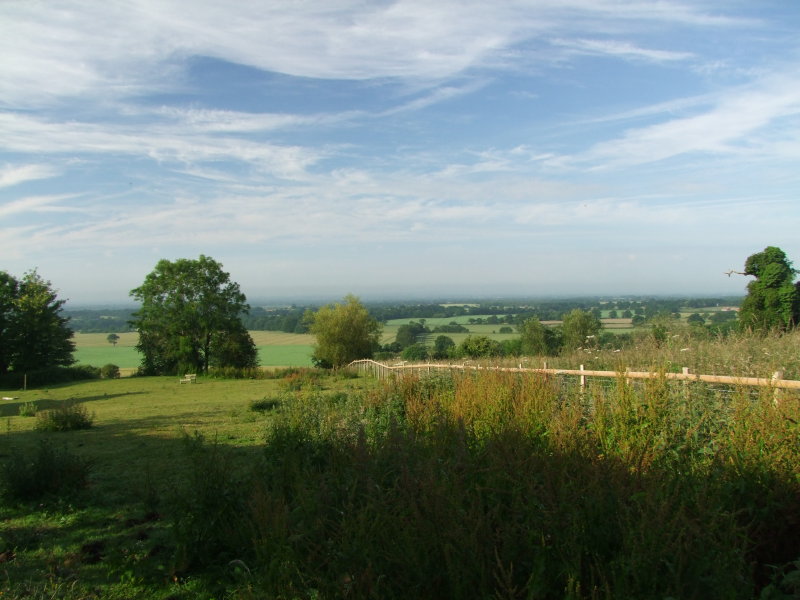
x: 192, y: 317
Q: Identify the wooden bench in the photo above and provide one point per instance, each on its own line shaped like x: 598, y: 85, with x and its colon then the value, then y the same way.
x: 189, y: 378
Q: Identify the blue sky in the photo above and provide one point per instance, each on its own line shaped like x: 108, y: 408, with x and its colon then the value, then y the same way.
x: 414, y: 148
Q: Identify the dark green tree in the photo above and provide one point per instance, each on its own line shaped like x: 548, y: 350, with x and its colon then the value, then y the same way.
x: 33, y: 332
x: 534, y: 337
x: 442, y: 346
x: 234, y: 348
x: 773, y: 300
x: 345, y: 332
x: 190, y: 317
x: 695, y: 319
x: 112, y: 339
x: 9, y: 288
x: 579, y: 327
x: 478, y: 346
x: 415, y: 352
x: 407, y: 334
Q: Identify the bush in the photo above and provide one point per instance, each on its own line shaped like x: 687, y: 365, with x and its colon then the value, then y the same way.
x: 27, y: 410
x: 237, y: 373
x: 48, y: 472
x: 265, y: 404
x: 48, y: 376
x: 209, y: 510
x: 306, y: 379
x: 109, y: 371
x: 67, y: 417
x: 416, y: 352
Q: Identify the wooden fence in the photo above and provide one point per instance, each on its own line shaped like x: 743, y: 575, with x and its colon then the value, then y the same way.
x: 382, y: 370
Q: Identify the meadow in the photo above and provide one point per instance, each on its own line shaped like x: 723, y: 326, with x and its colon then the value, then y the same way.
x: 484, y: 485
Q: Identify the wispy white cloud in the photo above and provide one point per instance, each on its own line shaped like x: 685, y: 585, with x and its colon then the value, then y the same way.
x: 27, y: 134
x: 729, y: 126
x: 107, y: 50
x: 34, y: 204
x: 11, y: 175
x: 622, y: 49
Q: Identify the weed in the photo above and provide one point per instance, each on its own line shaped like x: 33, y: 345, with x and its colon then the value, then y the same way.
x: 264, y: 405
x: 303, y: 379
x: 109, y: 371
x: 67, y: 417
x: 27, y: 409
x: 49, y: 472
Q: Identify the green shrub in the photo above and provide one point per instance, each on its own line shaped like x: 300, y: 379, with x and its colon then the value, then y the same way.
x: 49, y: 472
x: 67, y: 417
x: 265, y: 404
x: 303, y: 379
x: 48, y: 376
x: 237, y: 373
x: 27, y: 410
x: 209, y: 511
x: 109, y: 371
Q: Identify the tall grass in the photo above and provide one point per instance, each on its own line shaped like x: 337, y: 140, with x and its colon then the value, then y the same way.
x: 739, y: 354
x: 503, y: 485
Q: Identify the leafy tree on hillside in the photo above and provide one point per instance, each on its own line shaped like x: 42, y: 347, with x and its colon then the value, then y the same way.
x: 33, y: 332
x: 112, y: 338
x: 695, y: 319
x: 234, y: 348
x: 407, y: 334
x: 415, y: 352
x: 578, y: 327
x: 442, y: 346
x: 190, y: 316
x: 345, y: 332
x: 534, y: 337
x: 479, y: 346
x: 773, y: 300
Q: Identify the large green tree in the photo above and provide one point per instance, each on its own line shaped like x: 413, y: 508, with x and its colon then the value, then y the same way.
x: 8, y: 293
x: 579, y: 327
x: 190, y: 318
x: 33, y: 332
x: 345, y: 332
x: 773, y: 300
x: 537, y: 340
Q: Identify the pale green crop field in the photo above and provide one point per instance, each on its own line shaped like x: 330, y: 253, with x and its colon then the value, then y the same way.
x: 275, y: 349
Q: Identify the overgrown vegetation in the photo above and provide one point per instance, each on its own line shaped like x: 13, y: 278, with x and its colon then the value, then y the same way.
x: 48, y: 376
x: 503, y: 485
x: 68, y: 416
x: 48, y: 471
x: 488, y: 484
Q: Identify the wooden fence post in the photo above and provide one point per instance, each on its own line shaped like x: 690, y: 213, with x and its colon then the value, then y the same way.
x: 776, y: 394
x: 685, y: 371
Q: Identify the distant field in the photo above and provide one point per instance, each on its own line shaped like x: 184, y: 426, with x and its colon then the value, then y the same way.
x: 293, y: 355
x: 433, y: 322
x: 275, y: 349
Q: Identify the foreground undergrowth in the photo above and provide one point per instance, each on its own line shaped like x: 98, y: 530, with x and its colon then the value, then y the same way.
x: 482, y: 485
x: 496, y: 485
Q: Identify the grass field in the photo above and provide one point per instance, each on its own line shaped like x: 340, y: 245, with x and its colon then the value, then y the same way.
x: 275, y: 349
